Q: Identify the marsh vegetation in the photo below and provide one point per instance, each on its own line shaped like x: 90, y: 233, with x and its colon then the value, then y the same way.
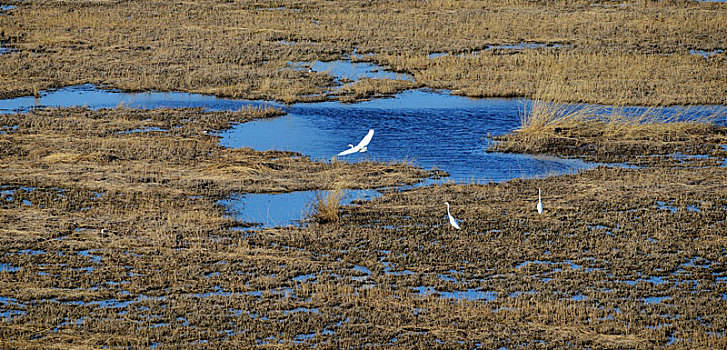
x: 607, y: 52
x: 114, y: 230
x: 115, y: 238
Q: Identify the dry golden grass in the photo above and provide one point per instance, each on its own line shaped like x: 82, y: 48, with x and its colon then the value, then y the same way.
x: 611, y: 52
x: 370, y: 88
x: 116, y: 240
x: 616, y: 134
x: 327, y: 205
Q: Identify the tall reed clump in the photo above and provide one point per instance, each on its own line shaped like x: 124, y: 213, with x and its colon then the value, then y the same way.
x: 545, y: 116
x: 540, y: 115
x: 606, y: 133
x: 327, y: 205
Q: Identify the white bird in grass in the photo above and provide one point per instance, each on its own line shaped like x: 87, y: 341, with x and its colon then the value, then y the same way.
x: 540, y: 203
x: 452, y: 221
x: 361, y: 147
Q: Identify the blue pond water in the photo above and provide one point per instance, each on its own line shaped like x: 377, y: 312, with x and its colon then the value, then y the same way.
x: 283, y: 209
x: 344, y: 69
x: 434, y: 130
x: 94, y: 97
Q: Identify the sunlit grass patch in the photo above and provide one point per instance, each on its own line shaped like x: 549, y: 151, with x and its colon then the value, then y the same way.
x: 328, y: 204
x: 606, y: 133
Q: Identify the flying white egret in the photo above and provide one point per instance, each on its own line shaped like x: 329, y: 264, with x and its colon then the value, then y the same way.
x: 361, y: 147
x: 540, y: 203
x: 452, y: 221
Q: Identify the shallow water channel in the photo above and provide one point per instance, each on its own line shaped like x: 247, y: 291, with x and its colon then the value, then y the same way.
x: 432, y: 129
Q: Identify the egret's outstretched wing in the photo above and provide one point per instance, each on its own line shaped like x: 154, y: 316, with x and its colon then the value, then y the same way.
x: 349, y: 151
x: 366, y: 139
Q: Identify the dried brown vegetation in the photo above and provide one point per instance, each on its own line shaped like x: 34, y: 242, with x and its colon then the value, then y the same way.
x: 109, y: 223
x: 328, y: 205
x: 111, y: 234
x: 635, y: 52
x: 604, y: 134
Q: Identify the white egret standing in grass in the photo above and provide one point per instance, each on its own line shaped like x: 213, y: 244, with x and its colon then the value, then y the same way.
x: 540, y: 203
x: 361, y: 147
x: 452, y: 221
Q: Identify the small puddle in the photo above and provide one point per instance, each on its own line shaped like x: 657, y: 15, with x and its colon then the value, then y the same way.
x: 8, y: 268
x: 469, y: 294
x: 93, y: 97
x: 304, y: 278
x: 151, y: 129
x: 9, y: 308
x: 354, y: 71
x: 96, y: 259
x: 283, y: 209
x: 655, y: 300
x: 706, y: 54
x: 579, y: 297
x: 655, y: 280
x: 519, y: 46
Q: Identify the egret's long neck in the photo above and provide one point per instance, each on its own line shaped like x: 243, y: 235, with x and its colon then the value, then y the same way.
x: 538, y: 195
x: 448, y: 209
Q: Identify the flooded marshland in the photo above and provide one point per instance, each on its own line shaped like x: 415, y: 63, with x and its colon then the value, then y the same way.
x: 175, y: 220
x: 144, y: 248
x: 430, y: 129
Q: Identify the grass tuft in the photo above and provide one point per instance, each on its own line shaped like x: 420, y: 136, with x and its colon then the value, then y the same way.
x: 328, y: 204
x: 605, y: 133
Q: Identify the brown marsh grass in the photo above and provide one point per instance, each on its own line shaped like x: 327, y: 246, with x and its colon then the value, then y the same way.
x: 327, y: 205
x: 615, y: 134
x: 109, y: 239
x: 610, y: 52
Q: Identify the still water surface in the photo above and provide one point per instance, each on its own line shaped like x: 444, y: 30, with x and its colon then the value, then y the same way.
x: 434, y: 130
